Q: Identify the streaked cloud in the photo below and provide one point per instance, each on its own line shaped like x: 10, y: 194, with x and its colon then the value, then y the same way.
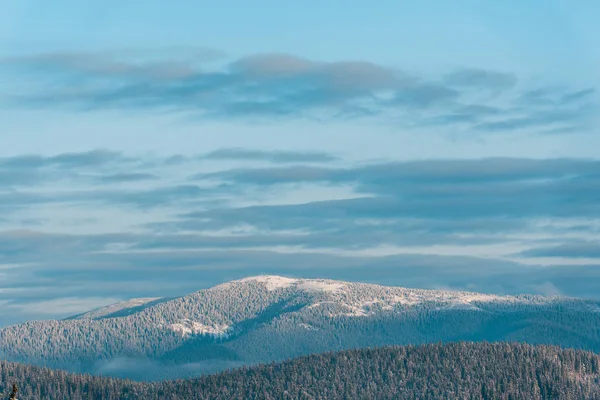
x: 282, y: 157
x: 94, y: 158
x: 127, y: 177
x: 575, y: 249
x: 481, y: 79
x: 267, y: 86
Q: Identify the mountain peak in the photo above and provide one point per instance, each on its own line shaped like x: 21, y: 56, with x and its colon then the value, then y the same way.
x: 274, y: 282
x: 267, y: 278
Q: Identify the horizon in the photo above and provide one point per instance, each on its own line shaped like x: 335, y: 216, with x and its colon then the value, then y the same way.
x: 156, y: 151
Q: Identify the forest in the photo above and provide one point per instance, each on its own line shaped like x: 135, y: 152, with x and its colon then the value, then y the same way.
x: 461, y: 370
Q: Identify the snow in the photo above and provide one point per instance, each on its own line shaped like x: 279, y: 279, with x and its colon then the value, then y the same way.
x: 356, y: 312
x: 362, y: 300
x: 272, y: 282
x: 357, y: 300
x: 593, y: 308
x: 479, y: 297
x: 308, y: 327
x: 188, y: 327
x: 318, y: 285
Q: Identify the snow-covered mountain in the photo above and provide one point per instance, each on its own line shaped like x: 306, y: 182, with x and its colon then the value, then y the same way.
x: 267, y: 318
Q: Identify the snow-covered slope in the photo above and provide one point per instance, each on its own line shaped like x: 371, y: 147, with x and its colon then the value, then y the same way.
x: 350, y: 298
x: 266, y: 318
x: 362, y: 299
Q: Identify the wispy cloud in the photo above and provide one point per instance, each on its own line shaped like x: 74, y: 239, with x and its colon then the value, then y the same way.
x: 94, y: 158
x: 481, y: 79
x: 127, y: 177
x: 273, y: 156
x: 63, y: 307
x: 287, y: 86
x: 573, y: 249
x: 27, y: 170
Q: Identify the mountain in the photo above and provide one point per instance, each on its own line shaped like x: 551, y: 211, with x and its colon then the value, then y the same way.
x: 271, y: 318
x: 434, y: 371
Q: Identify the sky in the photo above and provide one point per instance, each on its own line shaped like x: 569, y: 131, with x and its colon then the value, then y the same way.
x: 151, y: 149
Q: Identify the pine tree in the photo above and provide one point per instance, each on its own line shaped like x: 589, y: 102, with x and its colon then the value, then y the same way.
x: 13, y: 395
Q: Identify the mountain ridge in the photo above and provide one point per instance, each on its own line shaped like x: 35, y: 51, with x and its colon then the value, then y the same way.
x: 270, y: 318
x: 274, y: 282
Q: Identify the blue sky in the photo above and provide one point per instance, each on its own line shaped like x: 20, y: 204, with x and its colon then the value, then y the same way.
x: 153, y: 150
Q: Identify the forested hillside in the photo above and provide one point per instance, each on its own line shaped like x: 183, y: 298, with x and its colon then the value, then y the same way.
x: 266, y: 319
x: 434, y: 371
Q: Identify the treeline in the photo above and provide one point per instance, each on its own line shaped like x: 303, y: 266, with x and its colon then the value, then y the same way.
x: 435, y: 371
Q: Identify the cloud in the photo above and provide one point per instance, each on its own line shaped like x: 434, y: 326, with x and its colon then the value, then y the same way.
x: 268, y: 86
x: 88, y: 159
x: 440, y: 189
x: 549, y: 118
x: 273, y: 156
x: 547, y: 289
x: 41, y: 171
x: 577, y: 96
x: 427, y: 202
x: 127, y: 177
x: 150, y: 370
x: 148, y: 198
x: 94, y: 158
x: 173, y: 62
x: 105, y: 167
x: 267, y: 176
x: 481, y: 79
x: 18, y: 178
x: 439, y: 170
x: 61, y: 306
x: 587, y: 249
x: 481, y: 188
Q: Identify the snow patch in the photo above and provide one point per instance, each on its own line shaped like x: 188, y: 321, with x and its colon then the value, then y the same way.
x: 314, y: 285
x: 363, y: 307
x: 358, y: 299
x: 479, y: 297
x: 188, y: 327
x: 594, y: 308
x: 320, y: 303
x: 356, y: 312
x: 308, y: 327
x: 272, y: 282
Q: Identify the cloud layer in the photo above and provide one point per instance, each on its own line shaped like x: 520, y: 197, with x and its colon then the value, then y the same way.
x: 268, y: 86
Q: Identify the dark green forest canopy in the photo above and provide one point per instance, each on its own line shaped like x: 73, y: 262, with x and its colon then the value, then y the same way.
x: 433, y: 371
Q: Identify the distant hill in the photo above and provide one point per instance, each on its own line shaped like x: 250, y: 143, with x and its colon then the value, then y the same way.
x: 434, y: 371
x: 271, y: 318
